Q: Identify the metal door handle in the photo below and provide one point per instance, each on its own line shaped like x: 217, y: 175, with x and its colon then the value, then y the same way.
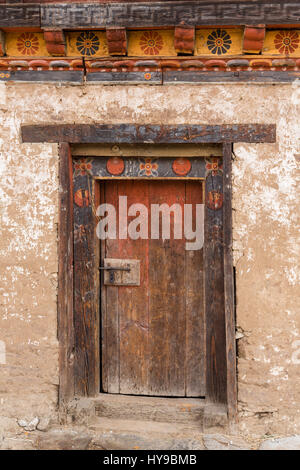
x: 120, y: 272
x: 112, y: 271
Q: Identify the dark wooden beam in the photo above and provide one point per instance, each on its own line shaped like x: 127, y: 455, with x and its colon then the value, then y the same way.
x: 91, y: 15
x: 19, y: 15
x: 42, y: 76
x: 130, y: 133
x: 125, y: 78
x: 86, y: 289
x: 229, y: 284
x: 65, y: 276
x: 216, y: 367
x: 219, y: 76
x: 148, y: 14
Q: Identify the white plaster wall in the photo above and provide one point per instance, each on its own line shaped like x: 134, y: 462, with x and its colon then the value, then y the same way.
x: 265, y: 237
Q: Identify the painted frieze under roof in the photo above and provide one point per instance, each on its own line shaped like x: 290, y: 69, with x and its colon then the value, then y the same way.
x: 163, y: 50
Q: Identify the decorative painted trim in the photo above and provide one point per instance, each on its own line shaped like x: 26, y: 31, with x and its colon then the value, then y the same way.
x: 55, y: 42
x: 152, y: 72
x: 132, y: 167
x: 116, y: 41
x: 283, y: 42
x: 87, y: 44
x: 27, y: 44
x: 253, y: 40
x: 184, y: 39
x: 219, y: 42
x: 192, y: 63
x: 151, y: 43
x: 44, y: 63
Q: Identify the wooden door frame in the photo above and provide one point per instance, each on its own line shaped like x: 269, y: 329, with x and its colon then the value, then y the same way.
x: 78, y: 309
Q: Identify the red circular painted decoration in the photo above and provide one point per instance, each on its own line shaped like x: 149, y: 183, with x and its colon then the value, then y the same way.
x: 115, y: 166
x: 82, y: 198
x: 181, y: 166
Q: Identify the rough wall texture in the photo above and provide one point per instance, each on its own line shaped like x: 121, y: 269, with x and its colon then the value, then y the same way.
x: 265, y: 240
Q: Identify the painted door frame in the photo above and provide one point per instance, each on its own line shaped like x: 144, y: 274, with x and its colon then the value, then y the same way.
x: 78, y: 305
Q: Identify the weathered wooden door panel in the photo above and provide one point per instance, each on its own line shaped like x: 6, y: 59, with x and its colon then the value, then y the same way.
x: 153, y: 334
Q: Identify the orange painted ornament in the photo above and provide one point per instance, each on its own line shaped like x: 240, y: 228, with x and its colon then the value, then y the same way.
x: 181, y: 166
x: 82, y: 198
x: 214, y: 200
x: 115, y: 166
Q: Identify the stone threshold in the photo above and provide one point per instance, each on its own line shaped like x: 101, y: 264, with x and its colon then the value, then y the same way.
x: 195, y: 413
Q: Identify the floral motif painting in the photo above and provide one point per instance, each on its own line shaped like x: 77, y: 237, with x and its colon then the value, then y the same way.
x: 26, y: 44
x: 219, y: 42
x: 151, y: 43
x: 148, y: 167
x: 285, y: 43
x: 214, y: 166
x: 87, y: 44
x: 83, y: 167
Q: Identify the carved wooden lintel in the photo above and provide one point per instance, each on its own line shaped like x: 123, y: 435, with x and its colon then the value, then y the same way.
x: 133, y: 133
x: 116, y: 41
x: 254, y: 37
x: 55, y: 42
x: 184, y: 39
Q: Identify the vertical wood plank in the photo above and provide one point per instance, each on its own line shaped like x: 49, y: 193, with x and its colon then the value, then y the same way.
x: 65, y: 276
x: 167, y: 301
x: 86, y: 289
x: 133, y: 303
x: 103, y: 310
x: 216, y: 368
x: 194, y: 295
x: 111, y: 320
x: 228, y: 283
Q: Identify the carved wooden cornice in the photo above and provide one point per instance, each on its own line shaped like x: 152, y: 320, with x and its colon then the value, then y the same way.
x: 151, y: 72
x: 148, y: 14
x: 116, y: 41
x: 253, y: 40
x: 55, y: 42
x: 190, y: 43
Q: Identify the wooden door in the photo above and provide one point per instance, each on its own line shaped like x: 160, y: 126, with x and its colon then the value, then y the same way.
x: 153, y: 335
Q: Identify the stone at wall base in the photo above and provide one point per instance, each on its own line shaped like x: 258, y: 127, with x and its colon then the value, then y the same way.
x: 220, y: 442
x: 284, y: 443
x: 63, y: 439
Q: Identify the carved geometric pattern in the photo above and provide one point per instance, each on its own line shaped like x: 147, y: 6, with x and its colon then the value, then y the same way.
x: 162, y: 14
